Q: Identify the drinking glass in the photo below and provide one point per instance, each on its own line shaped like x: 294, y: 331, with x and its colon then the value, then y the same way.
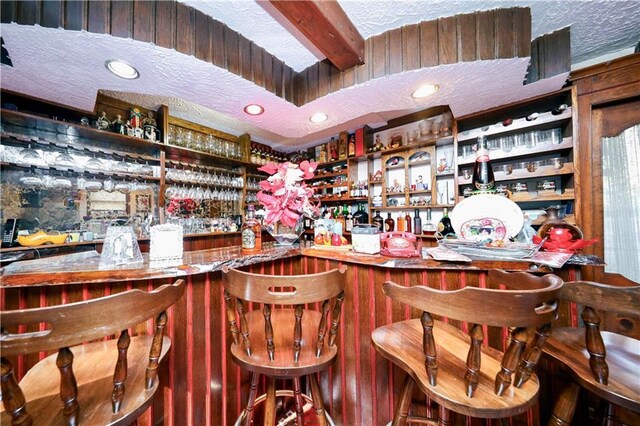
x: 556, y: 136
x: 30, y: 156
x: 64, y: 160
x: 94, y: 164
x: 108, y: 184
x: 506, y: 143
x: 531, y: 139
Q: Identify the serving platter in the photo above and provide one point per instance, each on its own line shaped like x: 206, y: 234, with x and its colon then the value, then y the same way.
x: 487, y: 217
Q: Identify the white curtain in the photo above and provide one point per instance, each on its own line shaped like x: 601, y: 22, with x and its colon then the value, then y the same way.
x: 621, y: 197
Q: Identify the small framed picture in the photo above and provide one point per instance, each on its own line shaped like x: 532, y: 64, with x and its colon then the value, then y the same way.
x: 143, y: 202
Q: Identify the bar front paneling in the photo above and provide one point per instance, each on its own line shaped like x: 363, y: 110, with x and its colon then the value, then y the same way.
x: 205, y: 386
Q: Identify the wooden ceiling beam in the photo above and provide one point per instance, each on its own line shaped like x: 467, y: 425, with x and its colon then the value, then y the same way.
x: 327, y: 27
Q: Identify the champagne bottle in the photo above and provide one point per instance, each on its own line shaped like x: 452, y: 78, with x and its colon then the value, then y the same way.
x: 444, y: 226
x: 483, y: 180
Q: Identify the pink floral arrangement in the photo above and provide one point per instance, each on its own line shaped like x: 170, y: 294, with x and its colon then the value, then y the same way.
x: 284, y: 195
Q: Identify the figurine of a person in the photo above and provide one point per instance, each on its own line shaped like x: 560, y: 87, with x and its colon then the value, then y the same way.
x: 150, y: 132
x: 118, y: 125
x: 323, y: 154
x: 377, y: 146
x: 419, y: 183
x: 135, y: 117
x: 103, y: 123
x: 442, y: 166
x: 333, y: 150
x: 149, y: 120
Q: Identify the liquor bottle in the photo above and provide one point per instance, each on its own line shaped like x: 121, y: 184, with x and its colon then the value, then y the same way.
x: 339, y: 217
x: 483, y: 180
x: 407, y: 222
x: 429, y: 228
x: 417, y: 223
x: 349, y: 222
x: 378, y: 221
x: 361, y: 216
x: 400, y: 223
x: 389, y: 224
x: 444, y: 226
x: 351, y: 150
x: 251, y: 233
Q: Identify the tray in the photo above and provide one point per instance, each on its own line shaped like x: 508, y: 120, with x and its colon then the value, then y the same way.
x: 508, y: 250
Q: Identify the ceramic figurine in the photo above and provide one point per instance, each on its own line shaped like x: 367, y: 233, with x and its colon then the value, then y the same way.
x: 103, y: 123
x: 84, y: 121
x: 419, y: 183
x: 442, y: 166
x: 149, y: 120
x: 377, y: 146
x: 135, y: 118
x: 150, y: 132
x: 118, y: 125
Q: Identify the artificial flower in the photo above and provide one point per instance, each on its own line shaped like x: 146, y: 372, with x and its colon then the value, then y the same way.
x: 284, y: 194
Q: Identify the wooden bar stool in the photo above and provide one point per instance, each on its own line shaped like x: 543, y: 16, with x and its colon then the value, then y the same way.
x: 282, y: 342
x: 604, y: 363
x: 454, y: 369
x: 102, y: 383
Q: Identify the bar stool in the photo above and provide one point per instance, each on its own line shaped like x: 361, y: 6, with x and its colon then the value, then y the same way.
x: 602, y: 362
x: 284, y: 342
x: 101, y: 383
x: 454, y: 369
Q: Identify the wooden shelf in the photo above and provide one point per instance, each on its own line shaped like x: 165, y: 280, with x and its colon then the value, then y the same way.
x: 342, y: 199
x: 419, y: 163
x: 396, y: 194
x: 425, y: 191
x: 73, y: 131
x: 526, y: 197
x: 403, y: 208
x: 24, y: 140
x: 447, y: 174
x: 544, y: 121
x: 332, y: 185
x: 375, y: 182
x: 177, y: 151
x: 332, y: 163
x: 519, y: 174
x: 327, y: 175
x: 567, y: 143
x: 422, y: 143
x: 79, y: 171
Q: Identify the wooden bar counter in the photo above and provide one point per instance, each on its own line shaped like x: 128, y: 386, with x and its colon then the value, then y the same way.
x: 203, y: 385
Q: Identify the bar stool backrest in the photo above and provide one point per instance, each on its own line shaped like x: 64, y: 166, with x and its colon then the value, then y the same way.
x: 297, y: 290
x: 527, y: 301
x: 81, y: 322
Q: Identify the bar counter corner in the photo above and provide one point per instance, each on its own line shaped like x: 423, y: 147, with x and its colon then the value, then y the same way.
x: 203, y: 385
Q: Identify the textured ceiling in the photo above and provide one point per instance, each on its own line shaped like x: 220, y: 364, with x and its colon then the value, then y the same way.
x: 67, y: 67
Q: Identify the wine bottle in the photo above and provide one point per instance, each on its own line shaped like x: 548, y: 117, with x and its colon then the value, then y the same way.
x: 417, y: 223
x: 349, y: 222
x: 251, y: 233
x: 483, y: 180
x: 389, y: 224
x: 444, y: 226
x: 378, y: 221
x: 559, y: 109
x: 407, y: 222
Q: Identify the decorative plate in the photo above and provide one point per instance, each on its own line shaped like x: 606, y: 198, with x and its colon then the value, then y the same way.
x: 485, y: 216
x: 486, y: 229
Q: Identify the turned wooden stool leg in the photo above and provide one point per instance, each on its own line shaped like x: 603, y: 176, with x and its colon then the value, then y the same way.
x: 68, y: 386
x: 444, y: 416
x: 608, y: 416
x: 253, y: 391
x: 299, y: 404
x: 565, y: 406
x: 270, y: 403
x: 404, y: 403
x: 318, y: 404
x: 12, y: 396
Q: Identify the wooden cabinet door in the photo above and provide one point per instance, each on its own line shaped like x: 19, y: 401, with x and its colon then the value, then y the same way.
x: 607, y: 121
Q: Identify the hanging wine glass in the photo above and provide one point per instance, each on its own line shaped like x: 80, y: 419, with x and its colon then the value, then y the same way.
x: 146, y: 169
x: 94, y: 164
x: 64, y: 159
x: 30, y: 156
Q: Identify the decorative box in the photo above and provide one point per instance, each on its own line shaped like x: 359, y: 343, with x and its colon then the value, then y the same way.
x: 365, y: 239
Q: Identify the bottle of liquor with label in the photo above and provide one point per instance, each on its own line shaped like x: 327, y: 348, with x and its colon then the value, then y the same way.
x: 389, y: 224
x: 417, y: 223
x: 444, y: 226
x: 251, y: 233
x: 361, y: 216
x: 349, y: 222
x: 400, y: 222
x: 351, y: 150
x: 429, y: 228
x: 483, y: 180
x: 378, y: 221
x: 407, y: 222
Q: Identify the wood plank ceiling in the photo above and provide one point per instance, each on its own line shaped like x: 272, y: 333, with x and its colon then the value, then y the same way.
x: 486, y: 35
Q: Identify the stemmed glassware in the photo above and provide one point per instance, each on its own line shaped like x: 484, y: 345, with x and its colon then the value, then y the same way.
x: 30, y: 156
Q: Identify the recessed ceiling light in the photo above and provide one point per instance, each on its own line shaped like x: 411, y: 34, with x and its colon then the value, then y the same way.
x: 318, y: 117
x: 425, y: 90
x: 254, y: 109
x: 122, y: 69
